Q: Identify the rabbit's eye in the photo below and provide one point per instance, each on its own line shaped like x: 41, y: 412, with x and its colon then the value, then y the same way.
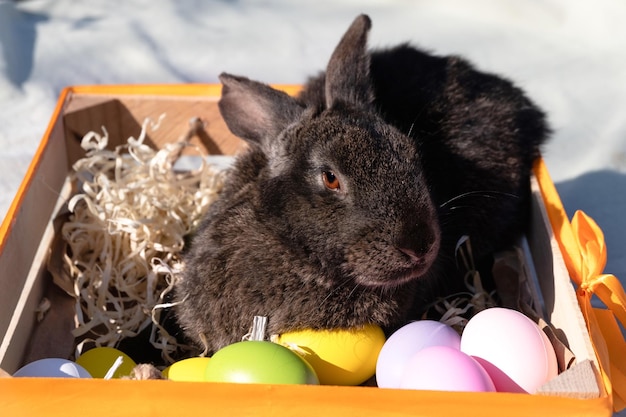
x: 330, y: 180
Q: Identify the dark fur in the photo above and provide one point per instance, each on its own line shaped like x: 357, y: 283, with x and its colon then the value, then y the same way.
x: 426, y: 149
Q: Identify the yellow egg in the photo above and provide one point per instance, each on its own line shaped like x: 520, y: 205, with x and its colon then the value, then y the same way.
x: 99, y: 360
x: 339, y: 357
x: 191, y: 369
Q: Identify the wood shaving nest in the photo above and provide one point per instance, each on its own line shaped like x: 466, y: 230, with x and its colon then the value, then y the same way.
x: 125, y: 234
x: 456, y: 309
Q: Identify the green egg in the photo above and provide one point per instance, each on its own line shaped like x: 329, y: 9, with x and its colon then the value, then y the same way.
x: 259, y: 362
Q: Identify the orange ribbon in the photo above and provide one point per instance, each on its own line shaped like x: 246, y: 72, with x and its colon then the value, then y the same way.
x: 584, y: 252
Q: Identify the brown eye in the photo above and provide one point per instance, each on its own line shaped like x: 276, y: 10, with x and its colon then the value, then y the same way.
x: 330, y: 180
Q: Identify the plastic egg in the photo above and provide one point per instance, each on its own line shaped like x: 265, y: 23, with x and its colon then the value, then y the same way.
x: 52, y: 368
x: 406, y: 342
x: 191, y: 369
x: 259, y: 362
x: 99, y: 360
x: 443, y: 368
x: 339, y: 356
x: 512, y: 348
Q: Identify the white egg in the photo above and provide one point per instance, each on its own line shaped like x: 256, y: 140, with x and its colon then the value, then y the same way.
x: 512, y: 348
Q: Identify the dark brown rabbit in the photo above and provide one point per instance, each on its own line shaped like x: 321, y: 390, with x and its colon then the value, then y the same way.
x: 347, y: 207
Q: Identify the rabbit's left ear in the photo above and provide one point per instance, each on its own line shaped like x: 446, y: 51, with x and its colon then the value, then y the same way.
x: 348, y: 71
x: 255, y: 111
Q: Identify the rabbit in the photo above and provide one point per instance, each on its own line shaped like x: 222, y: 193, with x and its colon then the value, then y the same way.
x: 347, y: 206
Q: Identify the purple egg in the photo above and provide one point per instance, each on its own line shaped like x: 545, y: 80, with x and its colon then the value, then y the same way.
x: 53, y: 368
x: 442, y: 368
x: 405, y: 343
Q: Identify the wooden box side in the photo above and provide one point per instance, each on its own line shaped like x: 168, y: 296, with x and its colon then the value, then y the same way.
x: 164, y: 120
x: 25, y: 239
x: 555, y: 285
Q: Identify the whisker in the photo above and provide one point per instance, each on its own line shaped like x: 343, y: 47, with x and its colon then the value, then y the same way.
x: 485, y: 194
x: 411, y: 129
x: 352, y: 291
x: 460, y: 207
x: 334, y: 290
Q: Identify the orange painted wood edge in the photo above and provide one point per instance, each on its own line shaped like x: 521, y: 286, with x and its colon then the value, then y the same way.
x: 189, y: 90
x: 63, y: 397
x: 7, y: 223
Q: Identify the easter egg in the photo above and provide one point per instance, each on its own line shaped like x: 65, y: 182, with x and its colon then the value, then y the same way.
x: 52, y: 368
x: 99, y: 360
x: 443, y: 368
x: 339, y: 356
x: 406, y: 342
x: 511, y: 348
x: 191, y: 369
x: 259, y: 362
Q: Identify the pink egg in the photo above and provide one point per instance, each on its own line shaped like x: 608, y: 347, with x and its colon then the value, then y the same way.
x: 407, y: 341
x: 443, y: 368
x: 512, y: 348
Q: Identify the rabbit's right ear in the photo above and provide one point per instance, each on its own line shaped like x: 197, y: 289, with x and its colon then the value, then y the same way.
x: 348, y: 71
x: 255, y: 111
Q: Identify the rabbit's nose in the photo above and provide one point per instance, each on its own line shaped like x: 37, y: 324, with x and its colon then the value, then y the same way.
x: 418, y: 240
x: 410, y: 252
x: 416, y: 251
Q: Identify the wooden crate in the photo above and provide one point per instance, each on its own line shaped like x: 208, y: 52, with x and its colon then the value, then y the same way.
x: 28, y: 231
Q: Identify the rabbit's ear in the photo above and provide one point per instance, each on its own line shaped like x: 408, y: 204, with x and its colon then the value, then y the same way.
x: 347, y: 74
x: 255, y: 111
